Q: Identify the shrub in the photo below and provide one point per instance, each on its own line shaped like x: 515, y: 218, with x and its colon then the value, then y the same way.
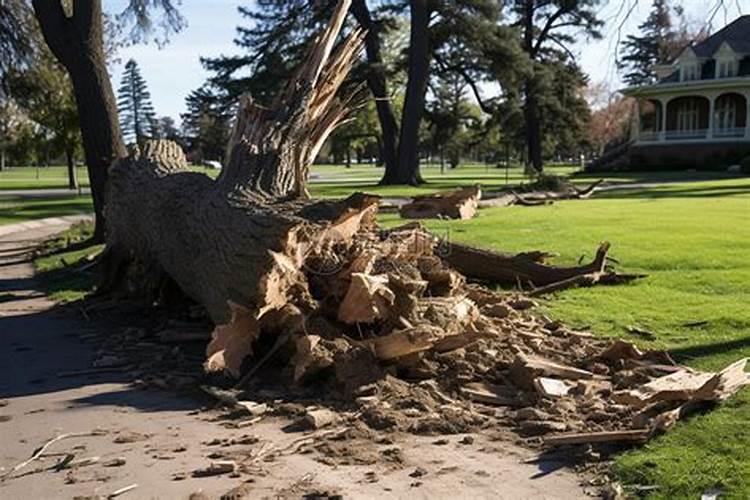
x: 745, y: 165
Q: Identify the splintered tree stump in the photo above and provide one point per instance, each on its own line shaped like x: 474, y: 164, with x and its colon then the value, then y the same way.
x: 459, y: 204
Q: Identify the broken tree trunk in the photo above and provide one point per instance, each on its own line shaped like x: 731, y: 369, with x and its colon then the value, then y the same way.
x: 242, y: 237
x: 527, y: 270
x: 459, y: 204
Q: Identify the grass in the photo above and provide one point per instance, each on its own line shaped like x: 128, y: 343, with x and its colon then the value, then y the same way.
x: 694, y: 241
x: 39, y: 178
x: 17, y: 209
x: 61, y: 260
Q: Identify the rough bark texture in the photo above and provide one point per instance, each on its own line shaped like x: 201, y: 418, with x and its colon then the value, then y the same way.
x: 77, y: 43
x: 242, y: 237
x: 377, y: 82
x: 418, y: 73
x: 72, y: 173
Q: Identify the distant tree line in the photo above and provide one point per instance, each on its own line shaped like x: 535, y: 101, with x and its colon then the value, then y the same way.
x: 427, y: 65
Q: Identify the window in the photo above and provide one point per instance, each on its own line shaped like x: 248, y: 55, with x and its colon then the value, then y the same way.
x: 687, y: 115
x: 689, y: 72
x: 726, y: 68
x: 726, y: 114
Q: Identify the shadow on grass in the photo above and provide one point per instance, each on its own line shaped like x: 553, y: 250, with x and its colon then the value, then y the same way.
x: 703, y: 350
x: 684, y: 192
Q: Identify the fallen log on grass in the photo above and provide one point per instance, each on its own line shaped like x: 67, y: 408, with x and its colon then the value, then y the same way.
x: 555, y: 189
x: 459, y: 204
x: 528, y: 270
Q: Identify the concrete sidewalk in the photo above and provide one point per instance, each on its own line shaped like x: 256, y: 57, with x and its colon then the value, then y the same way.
x: 50, y: 222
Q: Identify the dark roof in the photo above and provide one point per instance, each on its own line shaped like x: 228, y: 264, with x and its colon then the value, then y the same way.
x: 736, y: 34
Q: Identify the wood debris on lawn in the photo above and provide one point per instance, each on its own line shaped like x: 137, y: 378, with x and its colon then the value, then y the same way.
x: 398, y: 332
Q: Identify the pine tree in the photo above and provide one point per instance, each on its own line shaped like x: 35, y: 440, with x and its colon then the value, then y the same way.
x: 547, y: 28
x: 653, y: 46
x: 137, y: 116
x: 206, y: 123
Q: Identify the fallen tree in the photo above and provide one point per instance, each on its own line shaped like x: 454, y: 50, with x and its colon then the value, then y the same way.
x: 544, y: 191
x: 317, y: 285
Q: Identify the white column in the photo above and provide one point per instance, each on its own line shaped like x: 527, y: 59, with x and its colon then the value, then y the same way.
x: 637, y: 135
x: 711, y: 112
x: 663, y: 129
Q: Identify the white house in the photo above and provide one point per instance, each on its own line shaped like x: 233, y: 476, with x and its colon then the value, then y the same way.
x: 698, y: 110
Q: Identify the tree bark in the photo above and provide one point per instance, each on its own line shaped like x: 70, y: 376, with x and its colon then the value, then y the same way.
x: 72, y: 173
x: 77, y: 42
x: 378, y: 86
x: 416, y: 87
x: 240, y: 238
x: 533, y: 128
x: 2, y: 159
x: 531, y: 106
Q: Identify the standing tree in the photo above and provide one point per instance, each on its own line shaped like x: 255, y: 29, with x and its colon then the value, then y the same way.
x: 137, y: 115
x: 73, y: 30
x: 11, y: 119
x: 274, y: 46
x: 167, y: 129
x: 45, y: 93
x: 640, y: 53
x: 546, y: 29
x: 206, y: 124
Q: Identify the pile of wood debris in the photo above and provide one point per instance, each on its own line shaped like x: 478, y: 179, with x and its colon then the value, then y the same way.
x: 383, y: 321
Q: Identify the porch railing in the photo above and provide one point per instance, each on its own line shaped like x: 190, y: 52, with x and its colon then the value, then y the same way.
x: 673, y: 135
x: 681, y: 135
x: 730, y: 132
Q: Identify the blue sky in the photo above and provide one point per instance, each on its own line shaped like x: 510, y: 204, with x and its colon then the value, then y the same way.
x: 173, y: 71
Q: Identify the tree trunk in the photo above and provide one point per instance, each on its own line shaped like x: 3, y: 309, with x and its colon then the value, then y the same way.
x: 72, y: 173
x: 418, y: 73
x: 533, y: 128
x: 377, y: 83
x: 2, y: 159
x: 241, y: 237
x: 77, y: 43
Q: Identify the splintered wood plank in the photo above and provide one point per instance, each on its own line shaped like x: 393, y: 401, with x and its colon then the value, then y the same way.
x: 490, y: 394
x: 552, y: 387
x: 678, y: 386
x: 368, y: 299
x: 526, y: 368
x: 637, y: 435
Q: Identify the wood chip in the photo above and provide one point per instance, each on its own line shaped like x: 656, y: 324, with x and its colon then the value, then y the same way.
x: 216, y: 469
x: 552, y: 387
x: 490, y: 394
x: 315, y: 419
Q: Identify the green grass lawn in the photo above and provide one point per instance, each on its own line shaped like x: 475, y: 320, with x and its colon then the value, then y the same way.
x: 61, y: 269
x: 14, y: 209
x: 39, y: 178
x: 694, y: 242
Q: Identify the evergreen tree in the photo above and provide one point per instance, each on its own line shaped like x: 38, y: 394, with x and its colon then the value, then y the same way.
x: 137, y: 116
x: 653, y: 46
x: 205, y: 125
x: 280, y: 32
x: 547, y: 28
